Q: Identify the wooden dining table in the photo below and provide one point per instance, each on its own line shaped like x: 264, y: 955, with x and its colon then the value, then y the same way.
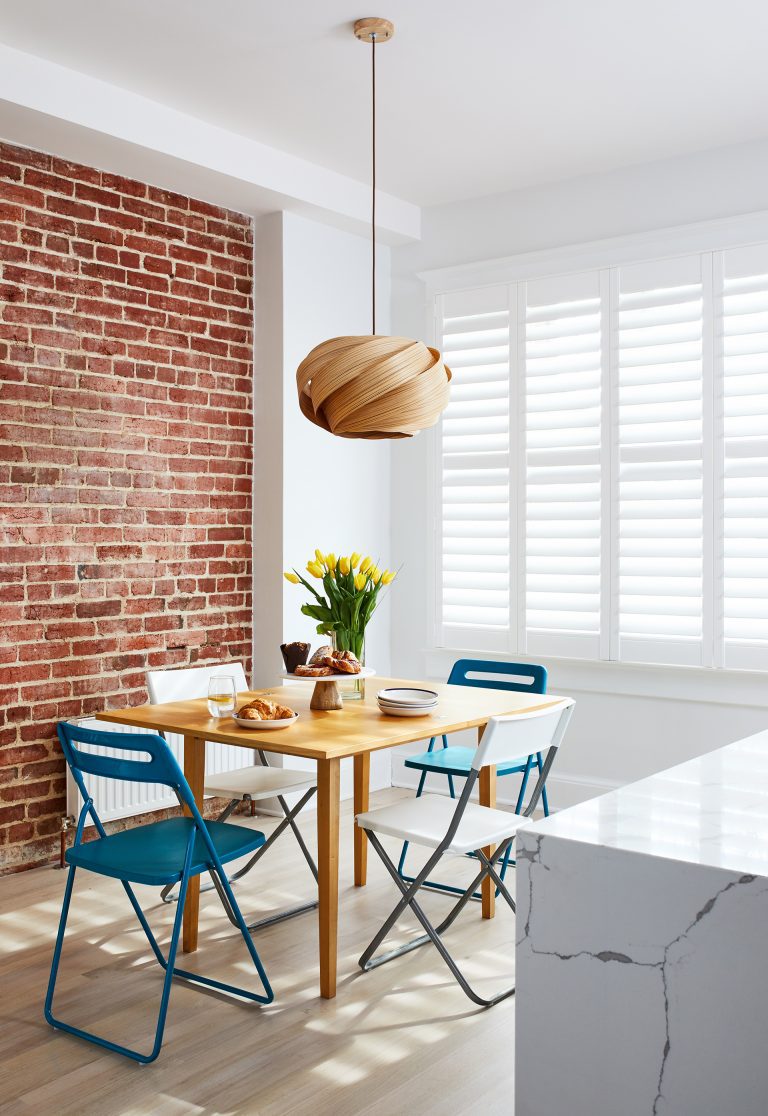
x: 328, y: 737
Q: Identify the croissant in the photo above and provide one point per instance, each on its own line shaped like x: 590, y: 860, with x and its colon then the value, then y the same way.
x: 262, y: 706
x: 249, y: 714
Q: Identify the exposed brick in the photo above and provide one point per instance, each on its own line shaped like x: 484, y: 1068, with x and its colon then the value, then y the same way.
x: 124, y: 459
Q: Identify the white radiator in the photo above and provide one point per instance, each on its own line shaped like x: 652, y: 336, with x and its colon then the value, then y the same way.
x: 116, y: 798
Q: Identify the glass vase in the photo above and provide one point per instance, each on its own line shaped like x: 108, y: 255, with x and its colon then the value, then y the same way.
x: 350, y: 686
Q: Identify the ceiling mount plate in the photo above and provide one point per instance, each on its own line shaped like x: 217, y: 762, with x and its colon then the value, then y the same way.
x: 374, y: 29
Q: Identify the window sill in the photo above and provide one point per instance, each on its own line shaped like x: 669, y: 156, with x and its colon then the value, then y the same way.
x: 747, y: 689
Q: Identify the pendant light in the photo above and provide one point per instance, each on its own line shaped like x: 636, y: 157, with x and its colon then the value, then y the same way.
x: 373, y: 386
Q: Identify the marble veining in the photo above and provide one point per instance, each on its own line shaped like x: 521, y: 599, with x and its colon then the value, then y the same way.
x: 641, y: 973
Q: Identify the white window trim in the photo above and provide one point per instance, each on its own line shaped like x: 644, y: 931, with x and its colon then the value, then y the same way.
x: 744, y: 689
x: 678, y: 240
x: 700, y: 237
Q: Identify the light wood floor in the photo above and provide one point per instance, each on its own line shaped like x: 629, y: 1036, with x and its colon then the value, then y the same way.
x: 401, y: 1039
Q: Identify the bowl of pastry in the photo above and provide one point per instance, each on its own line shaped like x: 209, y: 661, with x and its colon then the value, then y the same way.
x: 261, y: 713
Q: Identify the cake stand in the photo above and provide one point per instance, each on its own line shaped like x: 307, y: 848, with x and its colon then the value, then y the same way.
x: 326, y: 692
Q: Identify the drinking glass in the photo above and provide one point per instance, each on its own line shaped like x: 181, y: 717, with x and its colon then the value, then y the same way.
x: 222, y: 695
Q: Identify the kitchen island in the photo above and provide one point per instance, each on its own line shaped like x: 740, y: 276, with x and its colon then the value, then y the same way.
x: 642, y: 946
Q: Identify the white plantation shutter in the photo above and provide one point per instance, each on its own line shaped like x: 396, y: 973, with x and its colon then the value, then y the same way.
x: 603, y: 464
x: 660, y: 462
x: 744, y: 330
x: 563, y: 371
x: 474, y: 471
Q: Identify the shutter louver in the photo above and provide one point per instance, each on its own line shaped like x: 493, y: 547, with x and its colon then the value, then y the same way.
x: 603, y: 464
x: 661, y: 469
x: 563, y: 345
x: 474, y: 481
x: 745, y: 457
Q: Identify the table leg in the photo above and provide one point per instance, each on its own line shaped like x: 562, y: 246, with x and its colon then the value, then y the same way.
x: 194, y: 770
x: 362, y: 781
x: 328, y: 796
x: 487, y: 798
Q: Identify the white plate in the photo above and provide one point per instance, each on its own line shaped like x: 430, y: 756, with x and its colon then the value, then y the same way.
x: 409, y: 704
x: 408, y: 696
x: 419, y: 709
x: 405, y: 710
x: 266, y: 726
x: 366, y: 672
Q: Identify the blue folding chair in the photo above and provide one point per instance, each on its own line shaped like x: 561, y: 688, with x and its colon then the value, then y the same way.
x: 157, y: 854
x: 452, y: 760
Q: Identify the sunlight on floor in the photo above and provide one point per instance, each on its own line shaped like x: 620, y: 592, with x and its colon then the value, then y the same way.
x: 394, y: 1038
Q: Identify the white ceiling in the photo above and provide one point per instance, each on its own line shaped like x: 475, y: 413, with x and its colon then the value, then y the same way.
x: 474, y: 98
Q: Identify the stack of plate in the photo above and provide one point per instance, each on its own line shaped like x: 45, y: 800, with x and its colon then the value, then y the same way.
x: 406, y: 702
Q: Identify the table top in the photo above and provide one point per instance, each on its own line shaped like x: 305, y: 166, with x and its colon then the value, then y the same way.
x: 710, y: 811
x: 319, y: 734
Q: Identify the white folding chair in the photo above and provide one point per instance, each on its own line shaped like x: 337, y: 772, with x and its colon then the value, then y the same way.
x: 455, y: 828
x: 247, y: 784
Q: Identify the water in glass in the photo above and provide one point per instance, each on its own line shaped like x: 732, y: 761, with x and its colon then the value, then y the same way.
x: 221, y: 695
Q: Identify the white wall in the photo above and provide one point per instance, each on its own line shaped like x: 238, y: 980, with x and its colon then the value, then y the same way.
x: 311, y: 489
x: 336, y: 491
x: 630, y: 721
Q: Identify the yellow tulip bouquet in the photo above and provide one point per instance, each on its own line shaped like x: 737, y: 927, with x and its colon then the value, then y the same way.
x: 352, y: 587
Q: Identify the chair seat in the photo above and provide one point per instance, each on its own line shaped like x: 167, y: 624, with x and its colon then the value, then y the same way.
x: 425, y: 821
x: 154, y: 854
x: 454, y: 760
x: 258, y: 782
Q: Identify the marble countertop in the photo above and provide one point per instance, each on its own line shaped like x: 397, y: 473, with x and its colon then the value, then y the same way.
x: 712, y: 811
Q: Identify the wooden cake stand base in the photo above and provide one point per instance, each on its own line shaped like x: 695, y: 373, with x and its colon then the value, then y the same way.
x: 326, y: 695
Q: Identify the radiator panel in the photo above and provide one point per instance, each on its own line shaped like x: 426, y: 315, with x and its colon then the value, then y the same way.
x: 116, y: 799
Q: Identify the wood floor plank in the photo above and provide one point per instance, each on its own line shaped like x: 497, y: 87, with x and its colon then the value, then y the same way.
x: 401, y: 1038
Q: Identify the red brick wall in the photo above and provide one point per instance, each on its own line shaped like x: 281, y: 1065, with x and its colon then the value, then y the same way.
x: 125, y: 458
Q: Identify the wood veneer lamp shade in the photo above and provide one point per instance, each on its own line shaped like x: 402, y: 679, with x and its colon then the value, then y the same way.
x: 373, y: 386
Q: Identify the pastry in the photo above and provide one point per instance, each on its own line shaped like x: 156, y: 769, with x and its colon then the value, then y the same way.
x: 347, y: 666
x: 261, y: 709
x: 339, y: 665
x: 264, y: 707
x: 248, y: 713
x: 312, y: 671
x: 323, y: 652
x: 294, y: 654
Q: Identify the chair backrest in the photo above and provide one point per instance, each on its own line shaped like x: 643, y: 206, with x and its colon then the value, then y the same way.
x: 528, y: 678
x: 190, y: 682
x: 160, y: 766
x: 507, y: 738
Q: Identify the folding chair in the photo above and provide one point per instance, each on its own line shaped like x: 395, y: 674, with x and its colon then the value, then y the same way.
x: 157, y: 854
x: 247, y: 784
x: 455, y: 828
x: 453, y: 760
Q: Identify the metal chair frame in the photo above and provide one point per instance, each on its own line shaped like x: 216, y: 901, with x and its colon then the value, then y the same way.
x: 162, y: 768
x: 289, y: 819
x: 157, y: 681
x: 409, y: 891
x: 459, y: 677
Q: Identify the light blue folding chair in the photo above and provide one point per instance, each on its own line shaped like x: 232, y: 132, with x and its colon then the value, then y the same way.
x: 454, y: 761
x: 157, y: 854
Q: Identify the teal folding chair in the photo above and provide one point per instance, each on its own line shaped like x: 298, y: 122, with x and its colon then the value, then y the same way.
x: 157, y: 854
x: 454, y: 761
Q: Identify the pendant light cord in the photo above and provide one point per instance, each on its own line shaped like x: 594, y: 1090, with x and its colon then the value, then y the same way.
x: 373, y: 184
